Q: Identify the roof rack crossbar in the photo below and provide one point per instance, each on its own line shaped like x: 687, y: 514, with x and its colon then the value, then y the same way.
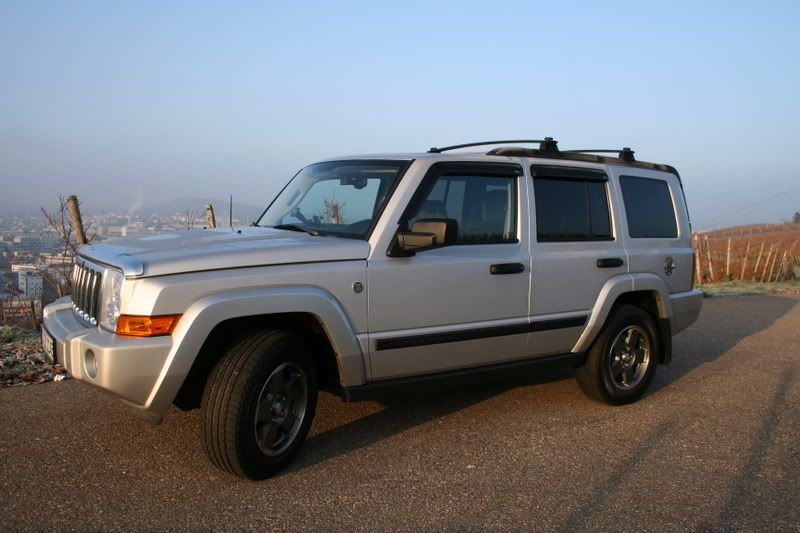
x: 626, y: 154
x: 545, y: 144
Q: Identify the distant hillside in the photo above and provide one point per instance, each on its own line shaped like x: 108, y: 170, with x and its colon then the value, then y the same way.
x: 787, y: 230
x: 757, y: 252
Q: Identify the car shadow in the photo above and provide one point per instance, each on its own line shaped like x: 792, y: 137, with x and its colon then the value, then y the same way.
x: 408, y: 408
x: 721, y: 326
x: 709, y: 338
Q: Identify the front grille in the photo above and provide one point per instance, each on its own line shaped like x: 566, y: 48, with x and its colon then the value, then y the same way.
x: 86, y: 283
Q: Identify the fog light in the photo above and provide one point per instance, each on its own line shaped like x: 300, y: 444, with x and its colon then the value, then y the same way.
x: 90, y: 364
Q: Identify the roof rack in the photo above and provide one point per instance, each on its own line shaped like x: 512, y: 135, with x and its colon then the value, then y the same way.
x: 548, y: 148
x: 545, y: 145
x: 626, y: 154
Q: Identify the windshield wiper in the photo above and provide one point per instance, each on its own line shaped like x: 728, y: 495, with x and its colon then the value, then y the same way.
x: 295, y: 227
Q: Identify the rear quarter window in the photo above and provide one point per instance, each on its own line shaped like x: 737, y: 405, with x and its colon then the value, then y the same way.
x: 649, y: 208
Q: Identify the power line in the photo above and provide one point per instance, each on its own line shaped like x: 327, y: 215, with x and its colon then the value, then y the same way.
x: 744, y: 208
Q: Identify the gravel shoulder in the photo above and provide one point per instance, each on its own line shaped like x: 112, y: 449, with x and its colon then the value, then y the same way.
x: 713, y: 446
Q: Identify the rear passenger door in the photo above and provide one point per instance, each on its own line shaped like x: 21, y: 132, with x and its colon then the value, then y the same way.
x: 658, y: 237
x: 575, y: 250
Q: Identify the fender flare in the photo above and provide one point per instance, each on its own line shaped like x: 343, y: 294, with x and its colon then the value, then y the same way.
x: 202, y: 316
x: 611, y: 291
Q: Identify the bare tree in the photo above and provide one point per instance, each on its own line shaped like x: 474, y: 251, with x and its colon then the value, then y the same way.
x: 334, y: 211
x: 191, y: 215
x: 60, y: 222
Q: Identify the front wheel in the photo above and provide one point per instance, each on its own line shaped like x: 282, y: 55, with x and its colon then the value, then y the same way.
x: 622, y: 360
x: 258, y: 404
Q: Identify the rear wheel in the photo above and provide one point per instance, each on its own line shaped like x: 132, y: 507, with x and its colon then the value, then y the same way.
x: 622, y: 360
x: 258, y: 404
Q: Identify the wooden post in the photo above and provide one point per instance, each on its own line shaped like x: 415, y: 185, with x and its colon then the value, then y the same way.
x: 772, y: 266
x: 766, y: 264
x: 77, y: 222
x: 34, y: 321
x: 781, y: 267
x: 212, y: 220
x: 728, y: 262
x: 758, y: 261
x: 697, y: 273
x: 744, y: 263
x: 710, y: 266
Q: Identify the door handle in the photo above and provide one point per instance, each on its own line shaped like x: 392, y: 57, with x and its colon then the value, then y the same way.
x: 507, y: 268
x: 610, y: 262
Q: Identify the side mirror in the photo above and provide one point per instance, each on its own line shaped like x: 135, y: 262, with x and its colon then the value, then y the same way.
x: 425, y: 234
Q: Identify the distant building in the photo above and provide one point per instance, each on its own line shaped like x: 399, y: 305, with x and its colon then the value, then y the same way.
x: 30, y: 285
x: 23, y: 245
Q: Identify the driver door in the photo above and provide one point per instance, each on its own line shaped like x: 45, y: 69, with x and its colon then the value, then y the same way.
x: 463, y: 304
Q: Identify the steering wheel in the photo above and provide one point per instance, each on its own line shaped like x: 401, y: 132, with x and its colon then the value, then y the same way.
x: 298, y: 215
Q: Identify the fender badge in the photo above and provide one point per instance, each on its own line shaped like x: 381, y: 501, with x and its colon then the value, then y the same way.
x: 358, y: 287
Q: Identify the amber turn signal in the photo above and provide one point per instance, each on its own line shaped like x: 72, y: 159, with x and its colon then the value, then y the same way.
x: 146, y: 326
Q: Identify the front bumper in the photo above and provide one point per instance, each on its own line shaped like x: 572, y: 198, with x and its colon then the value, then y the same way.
x: 130, y: 368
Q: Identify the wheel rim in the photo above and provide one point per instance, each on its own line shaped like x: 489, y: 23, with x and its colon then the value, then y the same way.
x: 281, y: 408
x: 629, y: 357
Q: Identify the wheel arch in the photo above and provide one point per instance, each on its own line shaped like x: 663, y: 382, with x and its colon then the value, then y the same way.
x: 646, y: 291
x: 212, y: 321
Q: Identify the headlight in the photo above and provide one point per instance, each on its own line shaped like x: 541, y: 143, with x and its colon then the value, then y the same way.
x: 112, y: 294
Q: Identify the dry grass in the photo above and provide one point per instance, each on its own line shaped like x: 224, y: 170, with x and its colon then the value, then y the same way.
x: 737, y: 288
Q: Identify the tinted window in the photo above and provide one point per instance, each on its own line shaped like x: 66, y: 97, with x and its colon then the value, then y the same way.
x: 571, y: 210
x: 484, y: 207
x: 648, y: 205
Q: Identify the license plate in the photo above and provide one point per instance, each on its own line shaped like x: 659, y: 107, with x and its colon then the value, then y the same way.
x: 49, y: 345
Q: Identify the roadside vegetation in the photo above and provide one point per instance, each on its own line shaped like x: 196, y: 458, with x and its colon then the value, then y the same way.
x: 22, y: 361
x: 743, y: 288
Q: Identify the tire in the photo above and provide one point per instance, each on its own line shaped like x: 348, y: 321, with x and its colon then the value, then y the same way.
x: 613, y: 373
x: 268, y: 376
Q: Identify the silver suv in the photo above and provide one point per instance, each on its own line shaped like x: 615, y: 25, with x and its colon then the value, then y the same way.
x: 372, y: 272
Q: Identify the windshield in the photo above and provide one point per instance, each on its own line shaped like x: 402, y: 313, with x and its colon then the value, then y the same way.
x: 340, y: 198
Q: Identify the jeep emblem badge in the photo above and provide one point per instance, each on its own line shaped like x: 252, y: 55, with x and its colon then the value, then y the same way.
x: 358, y: 287
x: 669, y: 266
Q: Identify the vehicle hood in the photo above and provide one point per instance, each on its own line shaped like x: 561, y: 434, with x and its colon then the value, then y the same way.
x: 215, y: 249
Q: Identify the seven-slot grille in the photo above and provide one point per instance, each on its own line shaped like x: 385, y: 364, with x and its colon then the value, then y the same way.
x: 86, y: 283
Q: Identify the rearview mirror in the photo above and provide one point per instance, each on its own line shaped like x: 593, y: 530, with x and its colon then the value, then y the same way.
x: 425, y: 234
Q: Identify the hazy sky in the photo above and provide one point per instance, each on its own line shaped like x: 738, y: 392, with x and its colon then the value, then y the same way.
x: 146, y: 101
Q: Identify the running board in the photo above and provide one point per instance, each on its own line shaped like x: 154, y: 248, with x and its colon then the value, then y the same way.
x: 463, y: 376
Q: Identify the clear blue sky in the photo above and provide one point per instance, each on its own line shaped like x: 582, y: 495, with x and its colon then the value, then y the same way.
x: 116, y: 101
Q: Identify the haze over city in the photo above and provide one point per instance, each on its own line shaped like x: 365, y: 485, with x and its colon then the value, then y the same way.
x: 130, y: 105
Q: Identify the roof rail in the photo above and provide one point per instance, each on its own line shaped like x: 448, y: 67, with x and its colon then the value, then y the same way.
x: 545, y: 145
x: 626, y: 154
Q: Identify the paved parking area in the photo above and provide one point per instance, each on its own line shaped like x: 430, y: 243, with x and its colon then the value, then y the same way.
x: 714, y: 446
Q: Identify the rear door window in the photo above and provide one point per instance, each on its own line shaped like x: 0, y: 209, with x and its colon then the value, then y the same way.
x: 571, y: 208
x: 649, y: 208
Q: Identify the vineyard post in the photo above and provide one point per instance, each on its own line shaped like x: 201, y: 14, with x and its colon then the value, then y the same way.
x: 758, y: 261
x: 772, y: 266
x: 697, y: 273
x: 781, y: 267
x: 710, y: 266
x: 728, y: 262
x: 766, y: 264
x: 744, y: 263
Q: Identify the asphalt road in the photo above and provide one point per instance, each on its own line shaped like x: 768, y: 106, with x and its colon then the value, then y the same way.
x: 713, y: 446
